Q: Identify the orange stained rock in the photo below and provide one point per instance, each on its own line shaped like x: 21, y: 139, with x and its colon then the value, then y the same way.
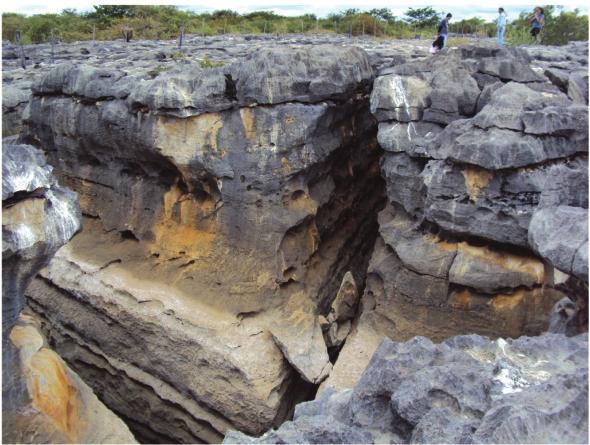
x: 50, y: 389
x: 289, y: 120
x: 518, y: 263
x: 460, y: 300
x: 52, y: 392
x: 507, y: 302
x: 301, y: 201
x: 184, y: 139
x: 182, y: 233
x: 173, y: 237
x: 445, y: 245
x: 299, y: 310
x: 249, y: 123
x: 476, y: 179
x: 286, y: 166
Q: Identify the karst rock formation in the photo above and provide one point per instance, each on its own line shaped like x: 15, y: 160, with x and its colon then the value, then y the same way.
x: 387, y: 232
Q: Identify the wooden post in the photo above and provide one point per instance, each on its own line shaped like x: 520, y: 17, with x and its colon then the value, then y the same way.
x: 93, y: 35
x: 52, y: 47
x: 127, y: 33
x: 181, y: 36
x: 350, y: 30
x: 317, y: 25
x: 375, y: 28
x: 264, y: 32
x: 19, y: 42
x: 334, y: 26
x: 301, y: 26
x: 363, y: 29
x: 224, y: 25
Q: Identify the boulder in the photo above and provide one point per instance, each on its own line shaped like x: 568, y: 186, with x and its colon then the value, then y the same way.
x: 312, y: 74
x: 577, y: 89
x: 560, y: 235
x: 468, y: 389
x: 563, y: 319
x: 401, y: 98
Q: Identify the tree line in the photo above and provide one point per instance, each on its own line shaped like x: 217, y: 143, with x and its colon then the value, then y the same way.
x: 106, y: 22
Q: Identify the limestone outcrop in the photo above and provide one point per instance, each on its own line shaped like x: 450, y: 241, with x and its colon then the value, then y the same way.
x: 486, y: 169
x: 223, y: 208
x: 43, y: 400
x: 256, y: 222
x: 152, y: 58
x: 467, y: 389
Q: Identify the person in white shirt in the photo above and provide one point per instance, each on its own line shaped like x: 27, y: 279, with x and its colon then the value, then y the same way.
x: 501, y: 22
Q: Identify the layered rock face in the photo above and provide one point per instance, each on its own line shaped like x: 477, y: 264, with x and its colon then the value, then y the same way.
x: 223, y: 209
x: 467, y: 389
x: 230, y: 215
x: 43, y: 400
x: 487, y: 183
x: 154, y: 57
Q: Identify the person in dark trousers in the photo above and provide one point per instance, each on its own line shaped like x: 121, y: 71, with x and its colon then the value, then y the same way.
x: 537, y: 21
x: 443, y: 28
x: 437, y: 45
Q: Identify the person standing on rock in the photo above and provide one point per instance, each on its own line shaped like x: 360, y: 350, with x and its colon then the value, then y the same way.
x: 443, y: 28
x: 501, y: 21
x: 537, y: 21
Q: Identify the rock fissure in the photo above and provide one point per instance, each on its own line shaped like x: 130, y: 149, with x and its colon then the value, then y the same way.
x: 281, y: 192
x: 256, y: 229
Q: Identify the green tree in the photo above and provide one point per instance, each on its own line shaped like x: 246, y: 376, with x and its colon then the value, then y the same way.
x: 11, y: 23
x: 262, y: 15
x: 468, y: 26
x: 113, y: 11
x: 565, y: 27
x: 423, y: 17
x: 351, y: 12
x: 383, y: 14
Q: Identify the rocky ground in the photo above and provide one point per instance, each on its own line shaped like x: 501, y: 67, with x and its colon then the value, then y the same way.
x: 480, y: 148
x: 148, y: 58
x: 259, y: 212
x: 467, y: 389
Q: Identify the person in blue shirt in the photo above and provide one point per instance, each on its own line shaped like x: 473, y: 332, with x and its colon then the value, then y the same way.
x: 443, y: 28
x: 537, y: 21
x: 501, y: 23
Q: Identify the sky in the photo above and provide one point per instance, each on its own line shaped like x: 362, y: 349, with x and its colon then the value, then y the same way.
x: 321, y: 8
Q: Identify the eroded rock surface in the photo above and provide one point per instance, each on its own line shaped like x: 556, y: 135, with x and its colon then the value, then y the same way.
x: 62, y: 408
x: 468, y: 389
x: 43, y: 400
x: 149, y: 59
x: 223, y: 209
x: 486, y: 169
x: 231, y: 213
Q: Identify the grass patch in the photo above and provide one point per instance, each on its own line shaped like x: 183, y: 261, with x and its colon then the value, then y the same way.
x: 206, y: 62
x: 459, y: 41
x: 157, y: 70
